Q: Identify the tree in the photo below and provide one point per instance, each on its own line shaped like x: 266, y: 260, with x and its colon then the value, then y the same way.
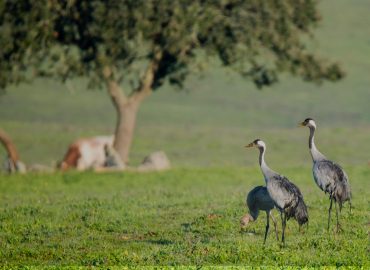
x: 145, y: 43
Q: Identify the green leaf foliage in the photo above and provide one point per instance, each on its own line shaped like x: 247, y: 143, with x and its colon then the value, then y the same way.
x: 75, y: 38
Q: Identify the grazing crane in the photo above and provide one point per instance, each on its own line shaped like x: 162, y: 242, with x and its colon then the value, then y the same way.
x: 329, y: 176
x: 259, y: 199
x: 286, y: 196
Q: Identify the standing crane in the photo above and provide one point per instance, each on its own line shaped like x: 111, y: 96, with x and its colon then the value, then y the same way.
x: 259, y: 199
x: 329, y: 176
x: 286, y: 196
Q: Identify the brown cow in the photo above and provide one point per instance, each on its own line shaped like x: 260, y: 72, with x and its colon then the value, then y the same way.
x: 86, y: 153
x: 13, y: 162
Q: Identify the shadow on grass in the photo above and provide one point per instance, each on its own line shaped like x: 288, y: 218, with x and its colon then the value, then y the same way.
x: 248, y: 231
x: 164, y: 242
x: 161, y: 242
x: 146, y: 239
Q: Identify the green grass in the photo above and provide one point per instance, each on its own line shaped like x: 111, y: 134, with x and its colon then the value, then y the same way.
x: 179, y: 217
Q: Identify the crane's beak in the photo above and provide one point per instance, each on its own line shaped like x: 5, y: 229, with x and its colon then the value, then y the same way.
x: 301, y: 124
x: 249, y: 145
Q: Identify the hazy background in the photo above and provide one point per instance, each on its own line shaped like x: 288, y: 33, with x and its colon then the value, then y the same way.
x: 209, y: 122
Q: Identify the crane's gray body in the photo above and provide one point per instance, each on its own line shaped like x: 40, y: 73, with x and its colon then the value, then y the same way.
x: 332, y: 179
x: 259, y: 199
x: 287, y: 198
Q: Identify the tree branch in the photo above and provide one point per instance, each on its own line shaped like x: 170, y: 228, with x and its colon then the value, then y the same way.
x: 145, y: 87
x: 117, y: 95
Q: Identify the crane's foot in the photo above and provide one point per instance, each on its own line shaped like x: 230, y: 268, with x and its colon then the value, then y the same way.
x: 338, y: 228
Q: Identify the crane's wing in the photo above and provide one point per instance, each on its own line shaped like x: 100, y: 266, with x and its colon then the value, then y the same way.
x: 283, y: 192
x: 328, y: 175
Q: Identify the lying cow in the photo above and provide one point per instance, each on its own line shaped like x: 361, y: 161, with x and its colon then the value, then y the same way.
x: 87, y: 153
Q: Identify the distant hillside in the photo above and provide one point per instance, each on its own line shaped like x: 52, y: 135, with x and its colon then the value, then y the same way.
x: 205, y: 124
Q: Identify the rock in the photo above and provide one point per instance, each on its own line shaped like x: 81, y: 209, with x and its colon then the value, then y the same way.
x: 156, y: 161
x: 20, y: 167
x: 40, y: 168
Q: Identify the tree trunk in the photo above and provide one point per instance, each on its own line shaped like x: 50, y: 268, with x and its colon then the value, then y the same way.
x: 125, y: 126
x: 126, y: 109
x: 127, y: 106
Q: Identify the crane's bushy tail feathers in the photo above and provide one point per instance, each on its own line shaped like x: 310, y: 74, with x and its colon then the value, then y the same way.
x: 301, y: 214
x: 342, y: 193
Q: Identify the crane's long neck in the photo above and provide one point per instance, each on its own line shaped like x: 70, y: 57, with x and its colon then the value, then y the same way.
x: 267, y: 172
x: 315, y: 154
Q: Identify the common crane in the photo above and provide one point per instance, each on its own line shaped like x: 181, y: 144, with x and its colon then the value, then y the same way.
x: 259, y: 199
x: 287, y: 197
x: 329, y: 176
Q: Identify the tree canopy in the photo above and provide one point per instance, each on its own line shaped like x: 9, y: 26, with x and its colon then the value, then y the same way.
x: 67, y: 39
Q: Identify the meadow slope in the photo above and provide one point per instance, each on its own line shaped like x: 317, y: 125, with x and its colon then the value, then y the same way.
x: 208, y: 123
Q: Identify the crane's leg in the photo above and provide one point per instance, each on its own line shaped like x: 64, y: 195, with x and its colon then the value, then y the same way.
x: 283, y: 221
x: 275, y: 226
x: 336, y: 210
x: 267, y: 226
x: 331, y: 204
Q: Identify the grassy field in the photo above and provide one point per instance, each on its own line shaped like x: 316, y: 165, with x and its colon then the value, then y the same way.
x: 180, y: 217
x: 190, y: 214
